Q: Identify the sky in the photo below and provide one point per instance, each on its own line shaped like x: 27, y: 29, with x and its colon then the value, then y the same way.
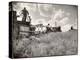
x: 63, y: 15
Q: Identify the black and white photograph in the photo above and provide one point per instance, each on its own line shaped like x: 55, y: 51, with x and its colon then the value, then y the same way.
x: 42, y: 29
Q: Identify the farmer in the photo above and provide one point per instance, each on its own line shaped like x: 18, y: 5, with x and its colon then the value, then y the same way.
x: 25, y: 14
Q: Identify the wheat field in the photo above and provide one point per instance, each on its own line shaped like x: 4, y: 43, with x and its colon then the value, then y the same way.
x: 48, y: 44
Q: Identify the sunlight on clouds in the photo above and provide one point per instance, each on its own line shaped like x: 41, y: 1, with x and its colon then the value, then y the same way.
x: 58, y: 14
x: 63, y: 21
x: 48, y: 14
x: 39, y: 21
x: 66, y: 28
x: 45, y: 10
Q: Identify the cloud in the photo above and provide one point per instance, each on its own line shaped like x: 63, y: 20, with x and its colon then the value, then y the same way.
x: 45, y: 10
x: 29, y: 6
x: 64, y: 21
x: 58, y: 14
x: 66, y: 27
x: 39, y: 21
x: 48, y: 13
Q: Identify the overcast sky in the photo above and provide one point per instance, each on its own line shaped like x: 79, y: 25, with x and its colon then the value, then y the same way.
x: 49, y: 13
